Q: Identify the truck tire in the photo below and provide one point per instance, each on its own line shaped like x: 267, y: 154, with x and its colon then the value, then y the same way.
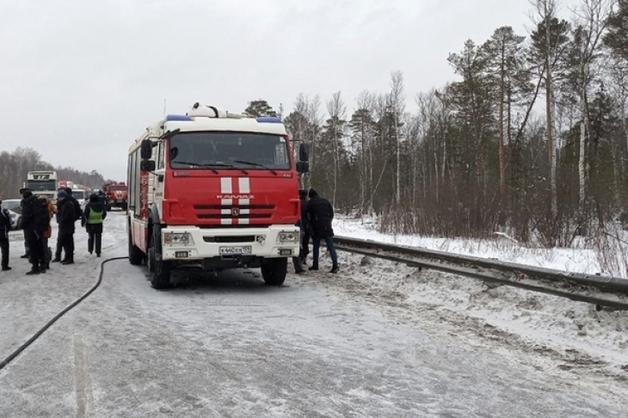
x: 136, y: 256
x: 159, y: 269
x: 123, y: 206
x: 274, y: 271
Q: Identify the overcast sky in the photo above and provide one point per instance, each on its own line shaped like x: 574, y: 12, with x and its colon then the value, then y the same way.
x: 80, y: 80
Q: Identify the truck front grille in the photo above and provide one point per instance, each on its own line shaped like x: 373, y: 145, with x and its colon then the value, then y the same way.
x: 253, y: 211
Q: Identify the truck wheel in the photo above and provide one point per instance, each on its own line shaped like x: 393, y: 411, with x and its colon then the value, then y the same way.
x: 123, y: 206
x: 274, y: 271
x: 136, y: 256
x: 159, y: 269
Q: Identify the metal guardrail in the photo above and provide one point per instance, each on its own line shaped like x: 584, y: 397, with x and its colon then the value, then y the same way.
x: 596, y: 289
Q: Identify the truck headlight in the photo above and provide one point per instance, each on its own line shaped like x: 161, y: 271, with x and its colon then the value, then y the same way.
x: 287, y: 237
x: 178, y: 238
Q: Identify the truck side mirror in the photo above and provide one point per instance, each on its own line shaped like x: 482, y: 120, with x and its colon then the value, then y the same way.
x: 304, y: 152
x: 146, y: 150
x: 147, y: 165
x: 303, y: 167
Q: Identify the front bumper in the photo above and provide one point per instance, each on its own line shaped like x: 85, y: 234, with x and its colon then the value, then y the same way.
x: 276, y: 241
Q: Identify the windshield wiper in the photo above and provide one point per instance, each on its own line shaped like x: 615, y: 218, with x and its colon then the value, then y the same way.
x: 210, y: 165
x: 256, y: 165
x: 227, y: 166
x: 196, y: 165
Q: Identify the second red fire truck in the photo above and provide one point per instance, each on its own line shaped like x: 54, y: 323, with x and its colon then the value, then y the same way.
x: 117, y: 195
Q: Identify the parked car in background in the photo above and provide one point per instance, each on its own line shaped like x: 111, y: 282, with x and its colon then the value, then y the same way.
x: 13, y: 206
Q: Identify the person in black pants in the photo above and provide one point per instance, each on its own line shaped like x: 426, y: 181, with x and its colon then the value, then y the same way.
x: 66, y: 216
x: 93, y: 217
x: 34, y: 230
x: 5, y: 227
x: 321, y: 214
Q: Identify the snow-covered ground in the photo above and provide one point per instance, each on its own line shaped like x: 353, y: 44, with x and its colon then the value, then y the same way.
x: 579, y: 260
x: 376, y: 340
x: 571, y: 331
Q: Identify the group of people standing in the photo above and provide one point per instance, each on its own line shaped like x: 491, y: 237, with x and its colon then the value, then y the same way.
x: 37, y: 213
x: 317, y: 215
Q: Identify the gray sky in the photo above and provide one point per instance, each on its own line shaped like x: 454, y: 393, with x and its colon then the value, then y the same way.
x: 80, y: 80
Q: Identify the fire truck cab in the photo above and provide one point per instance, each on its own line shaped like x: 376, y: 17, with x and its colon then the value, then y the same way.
x: 116, y: 194
x: 212, y: 190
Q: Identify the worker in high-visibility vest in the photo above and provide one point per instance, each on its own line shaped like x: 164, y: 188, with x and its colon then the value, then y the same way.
x: 93, y: 217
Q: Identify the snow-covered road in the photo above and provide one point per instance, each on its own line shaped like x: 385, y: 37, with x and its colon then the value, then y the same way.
x: 232, y: 347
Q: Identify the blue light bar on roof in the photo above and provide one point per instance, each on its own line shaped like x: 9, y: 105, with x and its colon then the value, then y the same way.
x: 268, y: 119
x: 178, y: 117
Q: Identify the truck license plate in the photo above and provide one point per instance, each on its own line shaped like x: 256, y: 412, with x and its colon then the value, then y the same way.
x: 247, y: 249
x: 181, y: 254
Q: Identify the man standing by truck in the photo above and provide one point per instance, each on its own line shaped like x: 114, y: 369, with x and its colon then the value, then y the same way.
x: 321, y: 214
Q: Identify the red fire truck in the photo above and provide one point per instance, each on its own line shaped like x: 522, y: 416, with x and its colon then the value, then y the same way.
x: 116, y: 193
x: 213, y: 190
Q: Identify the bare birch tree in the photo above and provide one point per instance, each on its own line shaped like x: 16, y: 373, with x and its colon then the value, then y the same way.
x: 337, y: 113
x: 591, y: 23
x: 397, y: 103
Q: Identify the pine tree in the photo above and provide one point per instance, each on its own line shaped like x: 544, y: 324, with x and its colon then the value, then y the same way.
x: 259, y: 108
x: 549, y: 45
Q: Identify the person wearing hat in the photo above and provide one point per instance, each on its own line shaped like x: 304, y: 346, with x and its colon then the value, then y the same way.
x: 93, y: 217
x: 320, y: 215
x: 33, y: 231
x: 66, y: 216
x: 75, y: 203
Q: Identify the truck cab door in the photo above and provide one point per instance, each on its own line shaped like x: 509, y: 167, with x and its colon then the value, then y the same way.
x: 157, y: 182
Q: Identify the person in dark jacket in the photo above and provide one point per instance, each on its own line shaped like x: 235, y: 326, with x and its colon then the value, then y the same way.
x: 34, y: 232
x: 5, y: 227
x: 320, y: 215
x: 69, y: 238
x: 93, y: 217
x: 66, y: 216
x: 77, y: 206
x: 102, y: 198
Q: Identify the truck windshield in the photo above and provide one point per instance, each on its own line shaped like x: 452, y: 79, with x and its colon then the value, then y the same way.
x: 207, y: 150
x: 38, y: 186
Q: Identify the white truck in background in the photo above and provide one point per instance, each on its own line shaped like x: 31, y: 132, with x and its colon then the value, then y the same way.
x: 43, y: 182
